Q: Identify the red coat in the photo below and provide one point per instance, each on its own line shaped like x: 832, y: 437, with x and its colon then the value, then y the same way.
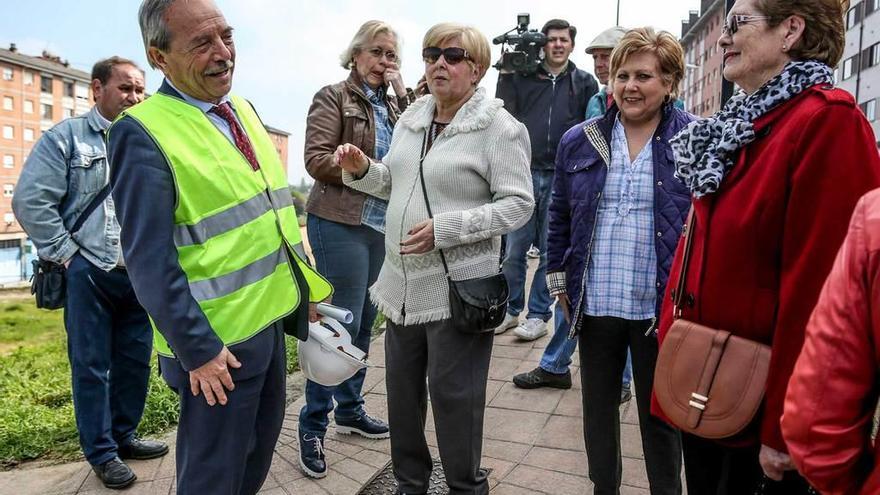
x: 765, y: 241
x: 835, y: 386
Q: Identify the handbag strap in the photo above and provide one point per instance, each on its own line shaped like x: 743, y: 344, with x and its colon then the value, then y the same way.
x: 678, y: 294
x: 97, y: 200
x: 425, y: 193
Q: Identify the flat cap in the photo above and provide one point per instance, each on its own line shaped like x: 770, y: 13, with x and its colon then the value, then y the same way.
x: 606, y: 39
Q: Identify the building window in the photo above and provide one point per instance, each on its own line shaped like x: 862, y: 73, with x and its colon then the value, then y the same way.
x: 871, y: 6
x: 82, y: 91
x: 68, y: 113
x: 854, y: 15
x: 7, y: 103
x: 46, y: 83
x: 28, y: 106
x: 848, y: 68
x: 8, y: 161
x: 870, y: 109
x: 28, y: 78
x: 28, y: 135
x: 8, y: 132
x: 46, y: 111
x: 68, y: 89
x: 7, y: 73
x: 7, y: 190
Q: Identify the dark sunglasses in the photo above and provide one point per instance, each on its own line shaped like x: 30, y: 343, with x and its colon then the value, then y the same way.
x: 452, y: 55
x: 731, y: 25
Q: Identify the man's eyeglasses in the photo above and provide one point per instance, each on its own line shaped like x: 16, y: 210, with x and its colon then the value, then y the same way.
x: 378, y: 52
x: 452, y: 55
x: 732, y: 24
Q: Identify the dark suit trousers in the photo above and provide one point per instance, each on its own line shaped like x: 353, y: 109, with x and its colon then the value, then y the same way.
x: 228, y: 449
x: 456, y: 366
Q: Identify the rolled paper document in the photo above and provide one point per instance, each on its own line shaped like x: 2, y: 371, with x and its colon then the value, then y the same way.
x: 341, y: 315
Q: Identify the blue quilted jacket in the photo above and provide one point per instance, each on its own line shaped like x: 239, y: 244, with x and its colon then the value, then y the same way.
x: 581, y: 169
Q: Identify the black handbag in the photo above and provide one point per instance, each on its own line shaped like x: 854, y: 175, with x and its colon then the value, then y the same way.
x: 49, y: 283
x: 477, y: 305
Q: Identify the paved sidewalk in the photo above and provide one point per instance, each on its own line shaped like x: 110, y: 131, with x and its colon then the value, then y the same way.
x: 533, y: 443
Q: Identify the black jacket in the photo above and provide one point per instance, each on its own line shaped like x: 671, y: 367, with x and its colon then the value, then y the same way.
x: 547, y: 106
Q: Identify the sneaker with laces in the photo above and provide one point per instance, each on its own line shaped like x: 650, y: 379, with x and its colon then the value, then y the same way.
x: 311, y: 455
x: 365, y: 426
x: 509, y: 322
x: 531, y: 329
x: 538, y: 378
x: 533, y: 253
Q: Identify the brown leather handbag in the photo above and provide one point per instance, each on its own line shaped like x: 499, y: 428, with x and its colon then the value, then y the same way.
x: 708, y: 382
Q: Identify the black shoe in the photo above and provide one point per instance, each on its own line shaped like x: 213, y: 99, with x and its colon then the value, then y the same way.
x: 311, y: 455
x: 364, y: 426
x: 115, y: 474
x: 142, y: 449
x: 625, y: 394
x: 538, y: 378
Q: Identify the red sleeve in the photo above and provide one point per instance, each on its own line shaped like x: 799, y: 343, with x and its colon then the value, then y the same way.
x: 834, y: 164
x: 827, y: 421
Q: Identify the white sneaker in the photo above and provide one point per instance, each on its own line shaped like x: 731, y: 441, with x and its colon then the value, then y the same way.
x: 531, y: 329
x: 533, y: 253
x: 509, y: 322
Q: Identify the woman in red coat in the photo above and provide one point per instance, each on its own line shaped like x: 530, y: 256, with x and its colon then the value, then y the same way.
x: 835, y: 386
x: 774, y: 176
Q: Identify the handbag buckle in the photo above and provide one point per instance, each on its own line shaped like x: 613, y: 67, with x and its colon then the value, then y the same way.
x: 698, y: 401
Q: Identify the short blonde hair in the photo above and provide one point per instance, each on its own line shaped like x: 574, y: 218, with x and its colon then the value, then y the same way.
x: 367, y: 33
x: 824, y: 34
x: 472, y: 40
x: 661, y: 44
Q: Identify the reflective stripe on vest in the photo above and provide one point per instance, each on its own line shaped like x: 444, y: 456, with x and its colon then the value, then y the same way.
x: 236, y: 230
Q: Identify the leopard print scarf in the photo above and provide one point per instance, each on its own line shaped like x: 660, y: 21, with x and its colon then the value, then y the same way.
x: 706, y: 149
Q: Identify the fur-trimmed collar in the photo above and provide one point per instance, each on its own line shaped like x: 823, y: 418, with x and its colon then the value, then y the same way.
x: 476, y: 114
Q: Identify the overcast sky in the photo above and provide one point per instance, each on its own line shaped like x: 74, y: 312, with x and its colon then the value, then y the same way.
x: 287, y: 50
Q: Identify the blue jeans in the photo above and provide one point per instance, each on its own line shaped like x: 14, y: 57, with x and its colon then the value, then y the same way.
x: 518, y: 242
x: 109, y: 341
x: 557, y: 355
x: 350, y: 257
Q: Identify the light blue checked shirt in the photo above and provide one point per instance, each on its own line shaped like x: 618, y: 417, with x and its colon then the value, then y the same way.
x: 374, y: 208
x: 622, y: 273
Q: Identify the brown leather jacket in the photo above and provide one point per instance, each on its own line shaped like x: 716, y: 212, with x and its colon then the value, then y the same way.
x: 341, y: 113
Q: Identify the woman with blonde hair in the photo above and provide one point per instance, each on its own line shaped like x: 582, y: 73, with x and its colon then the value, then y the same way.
x: 456, y: 179
x: 346, y: 226
x: 616, y: 213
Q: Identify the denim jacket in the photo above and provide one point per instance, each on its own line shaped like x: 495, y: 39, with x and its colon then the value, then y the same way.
x: 63, y: 173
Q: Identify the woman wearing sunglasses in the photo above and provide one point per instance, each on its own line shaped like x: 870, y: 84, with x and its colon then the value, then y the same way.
x: 345, y: 226
x: 475, y: 160
x: 775, y: 175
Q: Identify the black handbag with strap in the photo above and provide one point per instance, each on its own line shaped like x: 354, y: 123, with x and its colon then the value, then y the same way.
x: 48, y: 283
x: 477, y: 305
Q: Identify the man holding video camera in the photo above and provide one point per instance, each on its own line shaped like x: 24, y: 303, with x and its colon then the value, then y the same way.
x: 549, y: 100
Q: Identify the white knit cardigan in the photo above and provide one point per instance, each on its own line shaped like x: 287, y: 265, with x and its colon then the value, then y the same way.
x: 479, y: 185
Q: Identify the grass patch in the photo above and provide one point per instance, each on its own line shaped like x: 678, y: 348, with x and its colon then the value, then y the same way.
x: 36, y: 413
x: 36, y: 410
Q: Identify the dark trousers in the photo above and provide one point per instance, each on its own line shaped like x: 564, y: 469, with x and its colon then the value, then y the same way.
x: 603, y: 344
x: 350, y: 257
x: 714, y: 469
x: 456, y: 366
x: 109, y: 342
x: 228, y: 449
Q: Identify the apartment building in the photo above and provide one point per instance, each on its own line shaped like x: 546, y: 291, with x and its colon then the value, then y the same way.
x: 859, y: 70
x: 701, y: 87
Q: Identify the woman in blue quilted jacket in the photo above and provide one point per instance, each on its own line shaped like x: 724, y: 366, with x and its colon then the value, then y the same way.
x: 615, y: 219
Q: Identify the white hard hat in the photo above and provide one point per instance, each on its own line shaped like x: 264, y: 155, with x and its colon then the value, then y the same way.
x: 328, y: 357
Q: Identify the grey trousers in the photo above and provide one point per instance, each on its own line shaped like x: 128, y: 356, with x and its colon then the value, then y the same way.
x: 603, y: 344
x: 456, y: 366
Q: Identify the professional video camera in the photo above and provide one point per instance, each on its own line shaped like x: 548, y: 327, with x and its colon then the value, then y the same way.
x: 523, y: 50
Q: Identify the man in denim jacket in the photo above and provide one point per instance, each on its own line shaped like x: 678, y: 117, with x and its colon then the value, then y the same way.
x: 109, y: 338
